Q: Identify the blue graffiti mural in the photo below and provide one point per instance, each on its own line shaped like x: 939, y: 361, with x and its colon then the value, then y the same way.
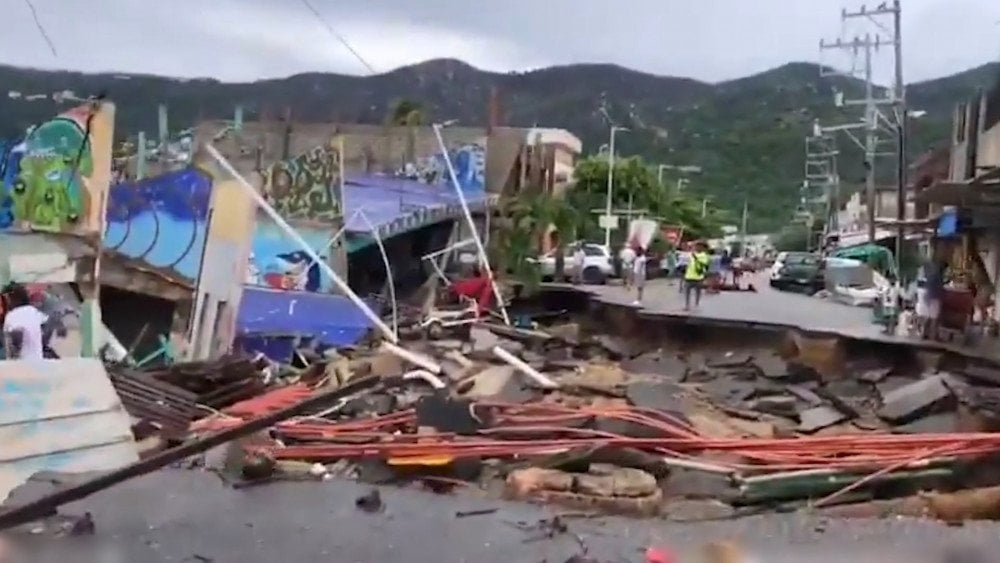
x: 469, y: 161
x: 161, y: 221
x: 280, y: 263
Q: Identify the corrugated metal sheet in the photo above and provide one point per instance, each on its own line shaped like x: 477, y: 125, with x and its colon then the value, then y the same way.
x: 59, y: 415
x: 329, y: 320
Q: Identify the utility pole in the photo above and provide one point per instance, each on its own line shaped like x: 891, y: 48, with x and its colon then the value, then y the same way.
x: 870, y: 119
x: 898, y: 100
x: 611, y: 180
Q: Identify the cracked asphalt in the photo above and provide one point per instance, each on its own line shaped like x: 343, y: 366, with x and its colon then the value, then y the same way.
x: 191, y: 516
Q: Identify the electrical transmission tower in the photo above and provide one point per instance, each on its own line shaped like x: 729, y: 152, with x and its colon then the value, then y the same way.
x: 873, y: 121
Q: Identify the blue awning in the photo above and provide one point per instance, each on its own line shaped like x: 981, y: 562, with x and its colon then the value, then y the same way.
x: 948, y: 223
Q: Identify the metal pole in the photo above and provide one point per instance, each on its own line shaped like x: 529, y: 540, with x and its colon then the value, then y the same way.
x: 611, y: 178
x: 295, y: 236
x: 901, y: 115
x: 472, y: 225
x: 872, y: 121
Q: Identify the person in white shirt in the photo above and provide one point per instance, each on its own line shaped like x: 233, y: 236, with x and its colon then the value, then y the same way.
x: 22, y: 326
x: 639, y: 275
x: 627, y: 257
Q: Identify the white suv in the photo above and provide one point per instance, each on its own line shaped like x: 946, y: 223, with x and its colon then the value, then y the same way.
x: 597, y: 264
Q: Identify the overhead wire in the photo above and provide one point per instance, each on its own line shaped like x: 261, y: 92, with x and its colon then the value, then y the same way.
x: 336, y: 35
x: 41, y: 27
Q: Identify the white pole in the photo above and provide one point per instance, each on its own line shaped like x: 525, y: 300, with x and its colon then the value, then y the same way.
x: 388, y: 270
x: 472, y: 225
x: 295, y: 236
x: 611, y: 179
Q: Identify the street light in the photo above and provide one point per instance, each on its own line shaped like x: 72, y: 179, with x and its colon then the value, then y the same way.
x: 611, y: 179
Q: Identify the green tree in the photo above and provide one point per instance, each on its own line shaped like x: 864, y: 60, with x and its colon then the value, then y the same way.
x: 524, y: 221
x: 635, y: 180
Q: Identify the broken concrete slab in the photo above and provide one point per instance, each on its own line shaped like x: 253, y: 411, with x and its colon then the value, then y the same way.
x: 661, y: 364
x: 569, y: 332
x: 728, y: 391
x: 385, y: 364
x: 771, y: 365
x: 806, y: 395
x: 917, y: 399
x: 940, y: 423
x: 660, y: 395
x: 729, y: 360
x: 876, y: 375
x: 489, y: 382
x: 777, y: 405
x: 616, y: 347
x: 817, y: 418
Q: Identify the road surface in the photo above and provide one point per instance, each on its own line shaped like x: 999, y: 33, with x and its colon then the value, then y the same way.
x: 190, y: 516
x: 765, y: 306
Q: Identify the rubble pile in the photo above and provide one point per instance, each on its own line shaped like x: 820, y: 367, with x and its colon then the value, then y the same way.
x: 167, y: 399
x: 599, y: 423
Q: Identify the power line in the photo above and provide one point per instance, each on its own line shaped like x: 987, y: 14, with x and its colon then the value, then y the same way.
x: 337, y: 35
x: 41, y: 28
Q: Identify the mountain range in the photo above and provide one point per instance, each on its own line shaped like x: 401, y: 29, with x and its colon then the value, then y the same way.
x: 747, y: 134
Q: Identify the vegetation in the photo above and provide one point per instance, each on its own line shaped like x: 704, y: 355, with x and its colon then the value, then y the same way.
x: 745, y: 134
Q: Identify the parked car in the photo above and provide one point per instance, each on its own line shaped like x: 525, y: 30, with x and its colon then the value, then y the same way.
x: 802, y: 271
x: 598, y: 264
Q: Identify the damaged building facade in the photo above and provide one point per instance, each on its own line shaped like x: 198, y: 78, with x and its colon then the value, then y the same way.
x: 188, y: 245
x: 968, y: 201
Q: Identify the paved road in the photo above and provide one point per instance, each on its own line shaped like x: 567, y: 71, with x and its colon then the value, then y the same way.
x: 764, y: 306
x: 178, y: 516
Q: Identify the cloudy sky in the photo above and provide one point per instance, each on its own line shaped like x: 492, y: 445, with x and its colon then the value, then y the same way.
x: 705, y: 39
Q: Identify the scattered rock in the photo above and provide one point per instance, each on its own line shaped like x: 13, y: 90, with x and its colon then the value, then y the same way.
x: 695, y: 484
x: 805, y: 395
x: 608, y: 488
x: 616, y: 347
x: 874, y: 375
x: 691, y: 510
x: 912, y: 401
x: 496, y: 382
x: 728, y: 391
x: 444, y: 345
x: 371, y: 502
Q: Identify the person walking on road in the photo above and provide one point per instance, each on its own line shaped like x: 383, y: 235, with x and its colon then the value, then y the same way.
x: 639, y: 275
x: 694, y: 275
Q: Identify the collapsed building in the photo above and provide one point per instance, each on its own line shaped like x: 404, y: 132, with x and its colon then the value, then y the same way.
x: 183, y: 242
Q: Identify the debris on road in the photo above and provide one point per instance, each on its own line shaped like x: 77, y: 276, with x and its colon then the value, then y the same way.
x: 590, y: 422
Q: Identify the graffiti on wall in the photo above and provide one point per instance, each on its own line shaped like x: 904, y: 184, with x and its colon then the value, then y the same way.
x: 307, y: 186
x: 45, y: 175
x: 278, y: 262
x: 469, y: 161
x: 161, y: 221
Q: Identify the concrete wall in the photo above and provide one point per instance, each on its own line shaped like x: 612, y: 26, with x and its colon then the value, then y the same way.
x: 56, y: 178
x: 988, y: 152
x: 227, y: 252
x: 965, y: 132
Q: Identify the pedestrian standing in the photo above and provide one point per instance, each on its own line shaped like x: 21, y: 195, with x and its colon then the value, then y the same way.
x: 694, y: 275
x: 22, y: 325
x: 579, y: 258
x: 639, y: 275
x: 683, y: 259
x: 627, y: 256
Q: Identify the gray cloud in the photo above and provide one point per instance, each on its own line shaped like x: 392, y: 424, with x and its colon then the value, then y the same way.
x: 705, y: 39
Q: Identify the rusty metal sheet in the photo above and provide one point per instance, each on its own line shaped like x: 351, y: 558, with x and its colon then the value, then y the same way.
x: 60, y: 415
